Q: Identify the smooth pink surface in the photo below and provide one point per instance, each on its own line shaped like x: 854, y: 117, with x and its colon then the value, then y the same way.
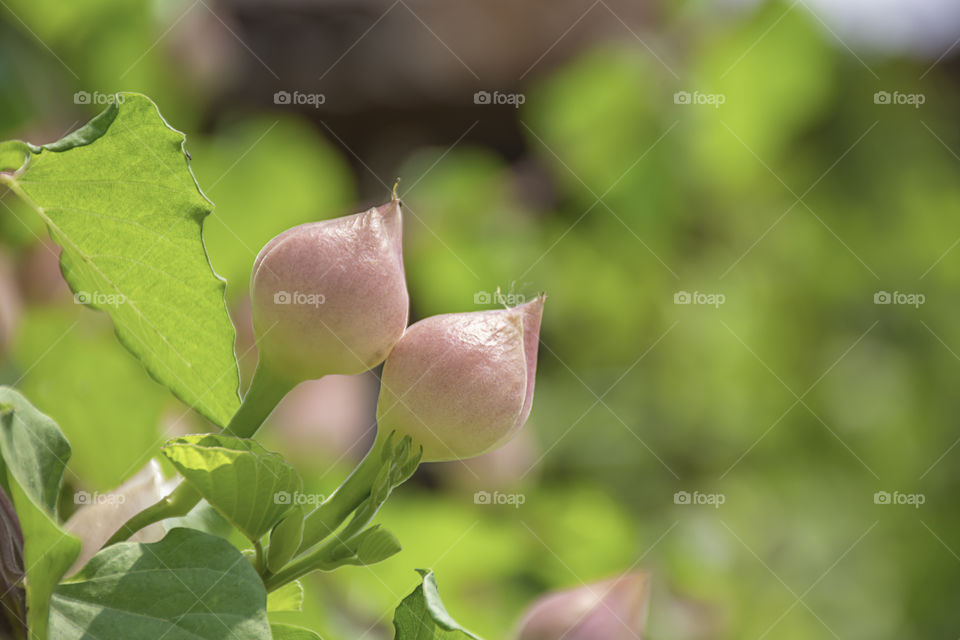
x: 610, y: 610
x: 461, y: 384
x: 346, y: 295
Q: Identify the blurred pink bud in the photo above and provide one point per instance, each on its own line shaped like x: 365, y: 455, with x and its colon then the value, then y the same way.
x: 330, y: 297
x: 610, y: 610
x: 505, y: 468
x: 9, y: 303
x: 461, y: 384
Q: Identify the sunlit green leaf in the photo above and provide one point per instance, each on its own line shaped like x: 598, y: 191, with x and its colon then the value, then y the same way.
x: 119, y: 197
x: 252, y: 487
x: 290, y: 632
x: 289, y: 597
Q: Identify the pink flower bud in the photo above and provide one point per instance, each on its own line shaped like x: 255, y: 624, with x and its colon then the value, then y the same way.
x: 610, y: 610
x: 461, y: 384
x: 330, y: 297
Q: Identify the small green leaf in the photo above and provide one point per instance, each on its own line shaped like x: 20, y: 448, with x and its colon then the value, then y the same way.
x: 34, y: 449
x: 285, y: 539
x: 290, y: 632
x: 289, y: 597
x: 188, y: 586
x: 34, y: 454
x: 119, y: 197
x: 253, y: 488
x: 422, y: 616
x: 374, y: 545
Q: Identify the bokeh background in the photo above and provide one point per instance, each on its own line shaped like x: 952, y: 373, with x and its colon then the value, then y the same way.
x: 810, y: 166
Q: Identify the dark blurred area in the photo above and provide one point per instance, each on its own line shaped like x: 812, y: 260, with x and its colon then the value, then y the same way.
x: 743, y: 213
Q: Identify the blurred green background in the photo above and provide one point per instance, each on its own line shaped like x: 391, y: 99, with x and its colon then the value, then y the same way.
x: 786, y: 186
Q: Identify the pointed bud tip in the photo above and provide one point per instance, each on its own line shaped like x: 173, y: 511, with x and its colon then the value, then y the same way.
x: 390, y: 216
x: 533, y: 309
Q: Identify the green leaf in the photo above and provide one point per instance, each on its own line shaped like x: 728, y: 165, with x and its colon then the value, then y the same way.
x: 422, y: 616
x: 374, y: 545
x: 285, y: 539
x: 252, y: 487
x: 34, y: 454
x: 119, y: 197
x: 48, y: 554
x: 188, y: 586
x: 34, y: 449
x: 289, y: 597
x: 290, y: 632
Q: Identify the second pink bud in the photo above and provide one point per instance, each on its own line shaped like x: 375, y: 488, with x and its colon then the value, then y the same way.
x: 461, y: 384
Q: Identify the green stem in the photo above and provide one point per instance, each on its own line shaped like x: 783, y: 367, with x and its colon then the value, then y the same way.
x: 261, y: 563
x: 265, y: 392
x: 331, y: 513
x: 178, y: 503
x: 319, y: 560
